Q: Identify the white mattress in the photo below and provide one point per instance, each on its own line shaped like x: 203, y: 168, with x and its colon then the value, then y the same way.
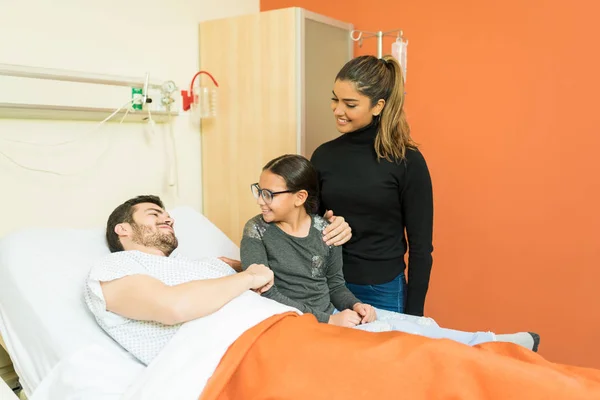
x: 43, y: 318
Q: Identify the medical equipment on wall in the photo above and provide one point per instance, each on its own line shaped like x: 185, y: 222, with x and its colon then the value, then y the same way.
x: 144, y: 93
x: 146, y: 101
x: 201, y: 100
x: 399, y: 47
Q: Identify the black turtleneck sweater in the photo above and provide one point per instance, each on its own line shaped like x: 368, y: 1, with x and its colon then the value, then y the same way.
x: 379, y: 199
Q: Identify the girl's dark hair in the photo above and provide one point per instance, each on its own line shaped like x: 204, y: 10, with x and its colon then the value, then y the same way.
x: 124, y: 213
x: 298, y: 174
x: 382, y: 79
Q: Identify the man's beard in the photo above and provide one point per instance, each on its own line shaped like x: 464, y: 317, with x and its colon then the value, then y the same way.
x: 163, y: 241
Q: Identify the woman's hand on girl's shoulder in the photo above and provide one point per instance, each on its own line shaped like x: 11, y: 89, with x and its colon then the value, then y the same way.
x: 338, y: 231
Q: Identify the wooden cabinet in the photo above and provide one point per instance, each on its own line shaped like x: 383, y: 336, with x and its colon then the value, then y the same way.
x: 275, y: 71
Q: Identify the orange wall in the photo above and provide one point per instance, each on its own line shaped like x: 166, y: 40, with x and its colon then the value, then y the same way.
x: 503, y: 97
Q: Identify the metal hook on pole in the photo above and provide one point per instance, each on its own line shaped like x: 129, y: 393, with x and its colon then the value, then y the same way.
x: 379, y: 35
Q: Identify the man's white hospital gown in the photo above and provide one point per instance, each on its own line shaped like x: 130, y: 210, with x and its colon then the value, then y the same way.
x: 144, y: 339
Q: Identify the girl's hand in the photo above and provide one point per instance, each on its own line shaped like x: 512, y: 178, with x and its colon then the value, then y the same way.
x: 366, y: 311
x: 346, y: 318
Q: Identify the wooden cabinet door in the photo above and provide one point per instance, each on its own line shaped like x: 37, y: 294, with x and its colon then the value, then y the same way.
x: 255, y: 59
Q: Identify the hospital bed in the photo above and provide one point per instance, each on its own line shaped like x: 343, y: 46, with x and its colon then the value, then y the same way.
x: 58, y: 350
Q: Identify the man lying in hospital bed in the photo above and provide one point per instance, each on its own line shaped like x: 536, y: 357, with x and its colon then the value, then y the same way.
x: 253, y: 348
x: 56, y: 346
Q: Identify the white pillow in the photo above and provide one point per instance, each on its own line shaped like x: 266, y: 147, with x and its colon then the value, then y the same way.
x: 198, y: 237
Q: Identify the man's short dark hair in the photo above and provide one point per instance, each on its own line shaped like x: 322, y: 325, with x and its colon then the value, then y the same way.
x: 122, y: 214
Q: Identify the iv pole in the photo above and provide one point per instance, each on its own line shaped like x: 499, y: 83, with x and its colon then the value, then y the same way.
x: 379, y: 34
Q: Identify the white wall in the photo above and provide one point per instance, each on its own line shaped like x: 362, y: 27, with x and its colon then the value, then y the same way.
x: 116, y: 161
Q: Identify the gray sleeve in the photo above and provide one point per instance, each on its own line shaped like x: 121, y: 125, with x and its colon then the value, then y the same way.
x: 252, y: 251
x: 341, y: 297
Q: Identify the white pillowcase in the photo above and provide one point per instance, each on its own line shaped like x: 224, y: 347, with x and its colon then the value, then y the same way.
x: 198, y: 237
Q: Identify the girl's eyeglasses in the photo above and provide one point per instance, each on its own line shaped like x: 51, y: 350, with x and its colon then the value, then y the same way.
x: 266, y: 194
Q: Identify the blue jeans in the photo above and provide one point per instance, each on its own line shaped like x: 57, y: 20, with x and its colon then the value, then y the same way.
x: 391, y: 321
x: 386, y: 296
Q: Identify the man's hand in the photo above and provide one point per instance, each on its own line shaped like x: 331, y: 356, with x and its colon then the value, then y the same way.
x: 366, y: 311
x: 338, y: 231
x: 235, y: 264
x: 346, y: 318
x: 262, y: 277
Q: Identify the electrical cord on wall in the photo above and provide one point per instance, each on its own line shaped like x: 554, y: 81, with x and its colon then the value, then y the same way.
x: 125, y: 115
x: 129, y: 102
x: 173, y: 177
x: 51, y: 172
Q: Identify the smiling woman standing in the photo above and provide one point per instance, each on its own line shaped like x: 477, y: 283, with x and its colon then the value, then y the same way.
x: 375, y: 177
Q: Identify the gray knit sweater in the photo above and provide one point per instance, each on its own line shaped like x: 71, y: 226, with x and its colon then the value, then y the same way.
x: 308, y: 273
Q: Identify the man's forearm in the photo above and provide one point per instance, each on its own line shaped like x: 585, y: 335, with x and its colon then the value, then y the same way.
x: 196, y: 299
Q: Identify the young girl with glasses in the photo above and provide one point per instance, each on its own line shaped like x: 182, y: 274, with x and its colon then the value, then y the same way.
x: 287, y: 237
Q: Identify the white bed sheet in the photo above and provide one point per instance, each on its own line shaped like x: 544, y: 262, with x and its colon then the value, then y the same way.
x: 42, y: 271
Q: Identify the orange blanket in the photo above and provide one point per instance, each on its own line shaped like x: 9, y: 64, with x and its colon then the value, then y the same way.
x: 291, y: 357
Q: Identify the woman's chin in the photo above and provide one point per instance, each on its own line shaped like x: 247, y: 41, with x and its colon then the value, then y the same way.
x: 347, y: 127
